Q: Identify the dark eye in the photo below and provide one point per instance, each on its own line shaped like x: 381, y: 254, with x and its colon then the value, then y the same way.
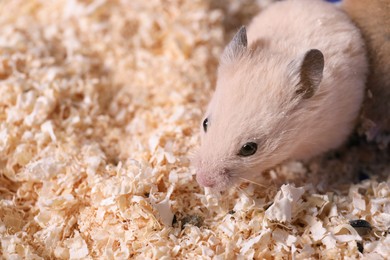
x: 248, y: 149
x: 205, y: 124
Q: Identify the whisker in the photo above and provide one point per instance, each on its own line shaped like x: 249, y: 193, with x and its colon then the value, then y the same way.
x: 235, y: 187
x: 253, y: 182
x: 242, y: 191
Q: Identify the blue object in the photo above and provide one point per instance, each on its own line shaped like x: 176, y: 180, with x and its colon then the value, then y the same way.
x: 333, y: 1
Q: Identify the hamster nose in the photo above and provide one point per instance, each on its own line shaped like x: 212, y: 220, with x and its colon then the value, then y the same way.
x: 212, y: 179
x: 205, y: 180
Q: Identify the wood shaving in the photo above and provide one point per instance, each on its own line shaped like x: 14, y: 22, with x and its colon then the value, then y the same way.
x: 100, y: 104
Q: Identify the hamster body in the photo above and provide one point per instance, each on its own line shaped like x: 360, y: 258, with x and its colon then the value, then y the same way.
x: 289, y: 88
x: 373, y: 19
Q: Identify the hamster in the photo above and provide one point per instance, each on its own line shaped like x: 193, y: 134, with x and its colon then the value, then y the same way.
x: 289, y: 87
x: 372, y: 17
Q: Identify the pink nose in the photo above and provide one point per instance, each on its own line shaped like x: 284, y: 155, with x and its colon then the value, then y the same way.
x: 205, y: 180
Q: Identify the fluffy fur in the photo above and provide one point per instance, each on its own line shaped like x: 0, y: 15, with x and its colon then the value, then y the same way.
x: 373, y: 19
x: 256, y: 94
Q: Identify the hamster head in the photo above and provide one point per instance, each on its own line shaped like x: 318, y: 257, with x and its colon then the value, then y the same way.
x: 250, y: 123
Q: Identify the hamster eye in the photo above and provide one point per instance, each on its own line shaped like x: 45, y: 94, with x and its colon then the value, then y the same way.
x: 248, y: 149
x: 205, y: 124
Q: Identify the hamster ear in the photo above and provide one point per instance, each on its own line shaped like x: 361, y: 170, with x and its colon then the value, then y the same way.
x: 236, y: 46
x: 308, y: 72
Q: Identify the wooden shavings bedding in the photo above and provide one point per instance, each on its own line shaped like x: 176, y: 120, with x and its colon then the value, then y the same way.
x: 100, y: 103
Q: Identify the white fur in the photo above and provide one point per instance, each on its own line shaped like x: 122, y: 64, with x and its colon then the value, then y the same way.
x: 255, y: 96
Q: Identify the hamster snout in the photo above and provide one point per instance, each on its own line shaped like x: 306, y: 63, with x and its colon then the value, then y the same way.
x: 214, y: 180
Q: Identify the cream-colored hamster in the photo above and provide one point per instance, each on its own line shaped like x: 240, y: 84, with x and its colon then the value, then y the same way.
x: 289, y: 87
